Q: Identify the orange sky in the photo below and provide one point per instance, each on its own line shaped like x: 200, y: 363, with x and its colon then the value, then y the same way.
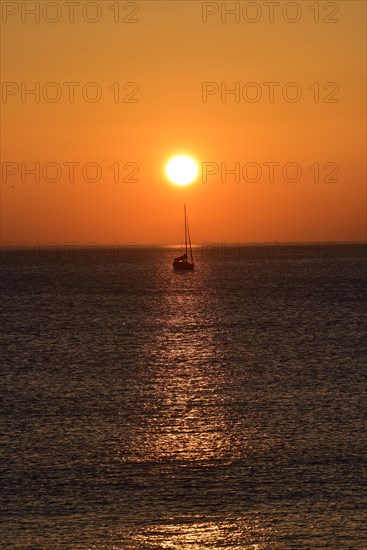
x: 169, y: 53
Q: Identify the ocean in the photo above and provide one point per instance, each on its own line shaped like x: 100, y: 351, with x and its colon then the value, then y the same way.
x: 149, y: 409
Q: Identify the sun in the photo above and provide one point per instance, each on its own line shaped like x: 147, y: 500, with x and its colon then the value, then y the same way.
x: 182, y: 169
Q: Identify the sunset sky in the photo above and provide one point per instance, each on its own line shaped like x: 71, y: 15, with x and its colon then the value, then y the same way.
x: 167, y: 56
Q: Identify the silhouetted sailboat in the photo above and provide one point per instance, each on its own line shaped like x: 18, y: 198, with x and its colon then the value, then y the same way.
x: 182, y: 263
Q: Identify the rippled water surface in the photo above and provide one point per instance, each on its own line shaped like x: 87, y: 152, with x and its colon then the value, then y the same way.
x: 148, y: 409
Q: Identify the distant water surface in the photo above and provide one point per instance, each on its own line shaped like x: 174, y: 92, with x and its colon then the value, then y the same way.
x: 148, y: 409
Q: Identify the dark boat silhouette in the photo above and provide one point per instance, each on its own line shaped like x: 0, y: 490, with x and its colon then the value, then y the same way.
x: 181, y: 263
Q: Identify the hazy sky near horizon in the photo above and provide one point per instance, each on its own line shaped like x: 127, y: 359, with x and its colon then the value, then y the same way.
x: 116, y: 98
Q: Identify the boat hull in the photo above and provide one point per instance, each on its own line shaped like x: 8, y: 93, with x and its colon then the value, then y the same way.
x: 183, y: 266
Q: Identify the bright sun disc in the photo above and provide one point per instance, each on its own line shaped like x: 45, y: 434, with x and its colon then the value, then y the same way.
x: 181, y: 170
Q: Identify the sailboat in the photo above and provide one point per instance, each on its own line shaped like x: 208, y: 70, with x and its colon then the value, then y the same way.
x: 182, y: 262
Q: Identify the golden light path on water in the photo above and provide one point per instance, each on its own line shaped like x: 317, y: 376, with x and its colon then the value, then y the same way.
x: 190, y: 429
x: 197, y: 536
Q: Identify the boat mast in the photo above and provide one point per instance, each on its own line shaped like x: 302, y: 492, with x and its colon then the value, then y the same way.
x: 188, y: 232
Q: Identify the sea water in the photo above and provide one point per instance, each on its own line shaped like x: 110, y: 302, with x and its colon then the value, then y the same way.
x: 220, y: 408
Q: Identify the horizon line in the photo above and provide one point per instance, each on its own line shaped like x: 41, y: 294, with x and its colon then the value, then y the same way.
x: 69, y: 244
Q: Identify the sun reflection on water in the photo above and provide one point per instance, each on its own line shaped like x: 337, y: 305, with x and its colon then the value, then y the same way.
x: 239, y: 534
x: 187, y: 438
